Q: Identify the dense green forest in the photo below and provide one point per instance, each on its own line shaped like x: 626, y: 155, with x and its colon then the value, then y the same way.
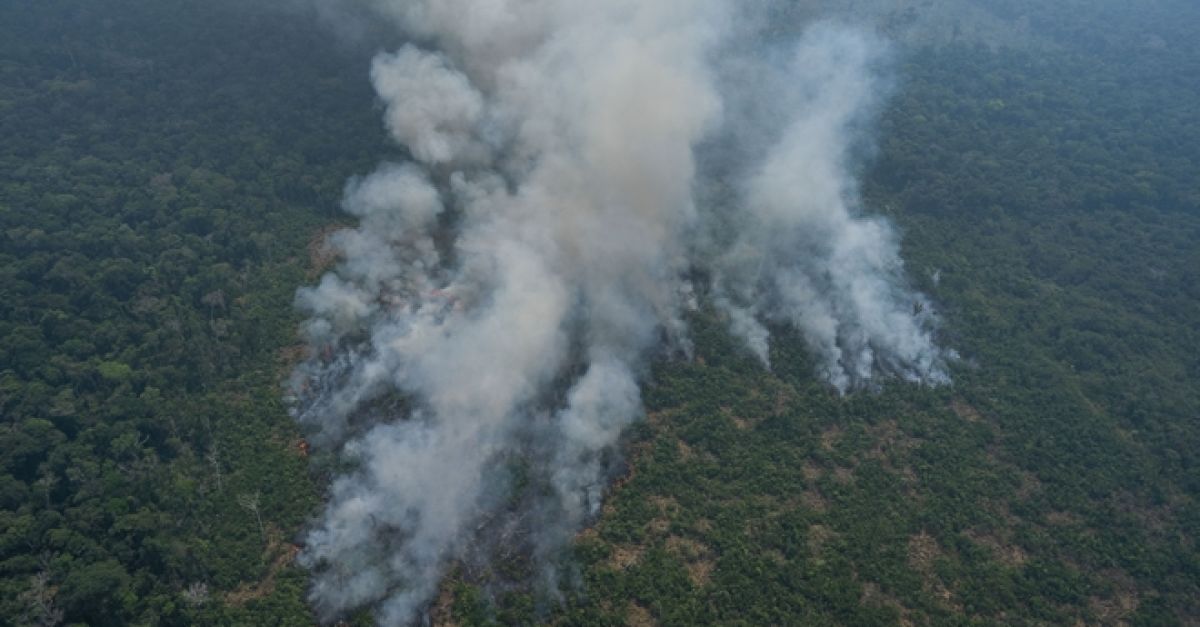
x: 167, y: 169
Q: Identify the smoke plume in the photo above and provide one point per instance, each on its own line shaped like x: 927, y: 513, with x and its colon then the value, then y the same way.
x: 476, y: 354
x: 800, y: 252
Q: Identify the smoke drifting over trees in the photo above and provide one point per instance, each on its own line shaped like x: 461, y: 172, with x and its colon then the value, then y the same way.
x: 510, y: 283
x: 800, y: 256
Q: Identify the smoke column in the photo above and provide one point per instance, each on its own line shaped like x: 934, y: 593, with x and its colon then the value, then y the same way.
x: 799, y: 256
x: 487, y: 326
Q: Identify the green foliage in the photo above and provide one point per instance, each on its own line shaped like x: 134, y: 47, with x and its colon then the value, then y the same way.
x: 165, y: 167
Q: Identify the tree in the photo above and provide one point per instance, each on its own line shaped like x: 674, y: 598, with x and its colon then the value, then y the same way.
x: 40, y: 601
x: 250, y: 502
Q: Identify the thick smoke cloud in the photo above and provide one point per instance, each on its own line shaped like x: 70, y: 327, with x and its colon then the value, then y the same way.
x: 801, y: 255
x: 431, y: 108
x: 476, y: 354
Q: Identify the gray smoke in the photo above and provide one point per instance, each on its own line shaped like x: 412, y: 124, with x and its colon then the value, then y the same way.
x: 801, y: 254
x: 497, y: 302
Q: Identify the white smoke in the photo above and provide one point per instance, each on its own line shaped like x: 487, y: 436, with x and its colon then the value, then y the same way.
x: 800, y: 255
x: 431, y: 108
x: 499, y: 298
